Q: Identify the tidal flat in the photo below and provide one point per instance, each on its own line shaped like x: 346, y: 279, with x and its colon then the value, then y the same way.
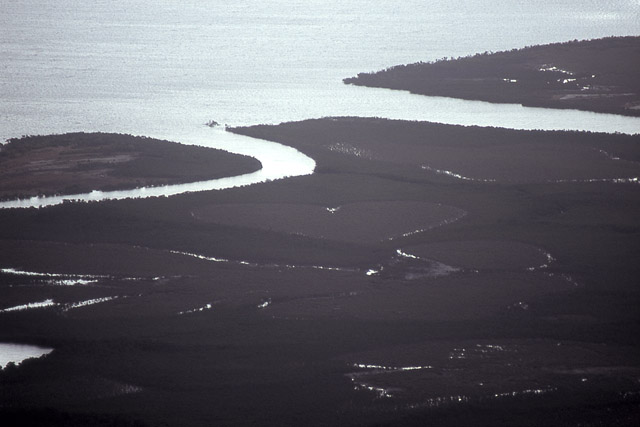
x: 424, y: 274
x: 200, y: 312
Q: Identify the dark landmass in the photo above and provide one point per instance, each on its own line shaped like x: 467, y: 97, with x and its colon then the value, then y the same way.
x: 81, y: 162
x: 509, y: 280
x: 594, y: 75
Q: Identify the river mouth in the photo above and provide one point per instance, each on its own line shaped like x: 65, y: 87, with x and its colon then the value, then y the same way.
x: 270, y: 344
x: 282, y: 161
x: 278, y: 161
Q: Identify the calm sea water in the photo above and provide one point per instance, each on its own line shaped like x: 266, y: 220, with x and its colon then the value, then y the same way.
x: 17, y: 353
x: 165, y: 68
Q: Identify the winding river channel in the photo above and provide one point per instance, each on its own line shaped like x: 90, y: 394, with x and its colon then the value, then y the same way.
x: 280, y: 161
x: 163, y: 69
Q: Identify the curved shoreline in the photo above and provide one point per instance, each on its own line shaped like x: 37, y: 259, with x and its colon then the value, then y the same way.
x: 588, y: 75
x: 278, y: 161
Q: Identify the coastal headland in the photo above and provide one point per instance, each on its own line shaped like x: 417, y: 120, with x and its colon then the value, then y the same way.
x: 594, y: 75
x: 83, y: 162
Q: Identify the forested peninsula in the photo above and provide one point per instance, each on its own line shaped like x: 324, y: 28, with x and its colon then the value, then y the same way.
x: 82, y: 162
x: 598, y: 75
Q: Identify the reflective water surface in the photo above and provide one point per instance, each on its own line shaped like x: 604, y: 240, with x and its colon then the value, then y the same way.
x: 278, y: 161
x: 163, y: 70
x: 16, y: 353
x: 152, y: 68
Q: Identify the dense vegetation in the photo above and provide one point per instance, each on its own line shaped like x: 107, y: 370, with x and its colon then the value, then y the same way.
x: 81, y: 162
x: 135, y: 360
x: 595, y: 75
x: 223, y: 315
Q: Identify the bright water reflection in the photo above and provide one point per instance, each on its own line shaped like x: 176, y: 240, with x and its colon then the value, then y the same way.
x: 16, y: 353
x: 278, y: 161
x: 163, y: 69
x: 147, y: 67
